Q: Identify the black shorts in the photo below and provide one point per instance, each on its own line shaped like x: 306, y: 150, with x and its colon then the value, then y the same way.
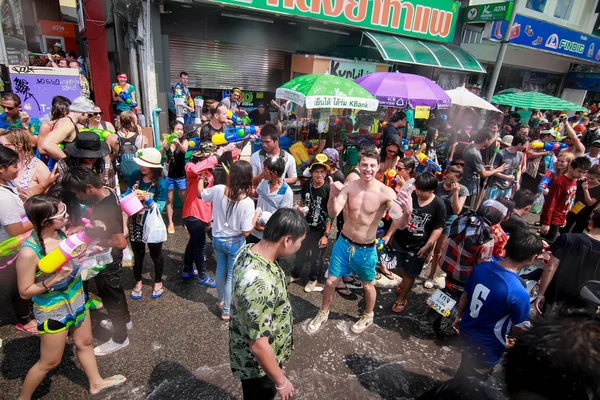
x: 407, y: 261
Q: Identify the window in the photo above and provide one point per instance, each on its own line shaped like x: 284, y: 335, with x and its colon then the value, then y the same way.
x: 563, y: 9
x: 536, y: 5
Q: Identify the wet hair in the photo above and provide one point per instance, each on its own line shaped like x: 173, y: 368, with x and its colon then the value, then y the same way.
x: 398, y: 116
x: 430, y: 138
x: 557, y: 358
x: 522, y: 245
x: 285, y: 222
x: 271, y: 131
x: 492, y: 211
x: 183, y: 73
x: 239, y: 183
x: 519, y: 139
x: 456, y: 169
x: 60, y: 107
x: 175, y: 123
x: 426, y: 182
x: 20, y: 138
x: 524, y: 198
x: 409, y: 163
x: 275, y: 164
x: 128, y: 121
x: 11, y: 96
x: 39, y: 209
x: 582, y: 163
x: 508, y: 203
x: 483, y: 135
x: 78, y: 178
x: 8, y: 157
x: 368, y: 152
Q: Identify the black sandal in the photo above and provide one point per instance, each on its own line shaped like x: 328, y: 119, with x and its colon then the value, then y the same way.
x: 349, y: 295
x: 352, y: 282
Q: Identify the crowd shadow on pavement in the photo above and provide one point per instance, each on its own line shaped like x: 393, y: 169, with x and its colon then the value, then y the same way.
x: 171, y: 380
x: 22, y: 353
x: 389, y: 380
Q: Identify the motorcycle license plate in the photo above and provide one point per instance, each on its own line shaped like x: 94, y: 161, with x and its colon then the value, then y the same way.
x: 441, y: 302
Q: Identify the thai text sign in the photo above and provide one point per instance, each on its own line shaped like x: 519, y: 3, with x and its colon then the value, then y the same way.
x: 424, y: 19
x: 36, y: 86
x: 536, y: 34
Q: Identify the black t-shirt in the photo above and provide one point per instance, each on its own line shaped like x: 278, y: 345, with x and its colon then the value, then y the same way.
x: 513, y: 224
x: 579, y: 257
x: 109, y: 212
x: 207, y: 132
x: 462, y: 389
x: 316, y: 200
x: 423, y: 221
x: 585, y: 212
x: 389, y: 130
x: 328, y: 137
x: 176, y: 160
x: 259, y: 119
x: 338, y: 176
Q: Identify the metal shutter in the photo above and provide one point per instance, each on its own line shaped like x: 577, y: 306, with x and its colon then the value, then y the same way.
x: 213, y: 65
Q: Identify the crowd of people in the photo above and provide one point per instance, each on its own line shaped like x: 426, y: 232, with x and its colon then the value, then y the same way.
x: 466, y: 219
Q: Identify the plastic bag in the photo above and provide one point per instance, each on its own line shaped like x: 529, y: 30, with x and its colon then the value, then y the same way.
x: 155, y: 230
x: 536, y: 208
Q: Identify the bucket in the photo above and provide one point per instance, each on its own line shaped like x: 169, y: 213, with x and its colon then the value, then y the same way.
x: 131, y: 205
x: 352, y: 156
x: 299, y: 152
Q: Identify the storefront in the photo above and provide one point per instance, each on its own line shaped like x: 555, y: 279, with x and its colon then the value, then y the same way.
x: 539, y: 57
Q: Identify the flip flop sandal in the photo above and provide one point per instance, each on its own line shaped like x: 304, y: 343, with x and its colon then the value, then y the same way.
x: 345, y: 295
x: 389, y: 275
x: 30, y: 331
x: 157, y: 293
x: 399, y: 307
x: 136, y: 294
x: 354, y: 283
x: 116, y: 381
x: 428, y: 284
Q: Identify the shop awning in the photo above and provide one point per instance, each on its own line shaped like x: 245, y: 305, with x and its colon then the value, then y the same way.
x: 421, y: 52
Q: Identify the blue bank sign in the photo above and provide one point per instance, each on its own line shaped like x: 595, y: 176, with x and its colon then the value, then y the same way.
x: 536, y: 34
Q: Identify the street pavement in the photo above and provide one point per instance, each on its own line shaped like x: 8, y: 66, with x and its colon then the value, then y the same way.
x: 179, y: 346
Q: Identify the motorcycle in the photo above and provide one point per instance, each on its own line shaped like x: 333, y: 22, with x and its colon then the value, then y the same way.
x: 443, y: 308
x: 590, y: 291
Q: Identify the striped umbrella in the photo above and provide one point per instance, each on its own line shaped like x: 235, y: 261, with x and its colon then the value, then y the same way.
x: 535, y: 100
x: 395, y: 89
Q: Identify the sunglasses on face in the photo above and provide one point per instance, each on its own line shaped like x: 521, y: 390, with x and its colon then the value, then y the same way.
x: 6, y: 108
x: 400, y: 168
x: 95, y: 114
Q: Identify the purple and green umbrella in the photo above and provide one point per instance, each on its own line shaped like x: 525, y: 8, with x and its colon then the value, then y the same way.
x: 395, y: 89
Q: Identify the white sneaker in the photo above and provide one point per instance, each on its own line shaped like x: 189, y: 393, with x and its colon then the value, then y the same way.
x: 110, y: 347
x: 363, y: 323
x: 316, y: 322
x: 107, y: 324
x: 310, y: 286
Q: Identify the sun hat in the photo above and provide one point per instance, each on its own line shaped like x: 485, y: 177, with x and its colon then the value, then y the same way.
x: 87, y: 145
x: 148, y: 157
x: 57, y: 44
x: 82, y: 105
x: 333, y: 155
x: 547, y: 132
x: 320, y: 159
x: 507, y: 140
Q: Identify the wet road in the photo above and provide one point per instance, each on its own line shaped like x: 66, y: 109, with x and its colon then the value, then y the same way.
x: 179, y: 346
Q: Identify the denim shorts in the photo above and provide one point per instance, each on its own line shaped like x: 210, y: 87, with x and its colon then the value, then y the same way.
x: 449, y: 221
x: 348, y: 257
x: 181, y: 183
x: 494, y: 193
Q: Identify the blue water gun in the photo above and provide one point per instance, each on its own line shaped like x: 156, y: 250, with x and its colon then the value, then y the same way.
x: 232, y: 135
x: 193, y: 144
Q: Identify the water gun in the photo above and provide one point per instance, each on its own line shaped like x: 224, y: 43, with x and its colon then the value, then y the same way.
x: 102, y: 133
x: 545, y: 182
x: 379, y: 245
x: 70, y: 248
x: 232, y: 135
x: 548, y: 146
x: 235, y: 118
x: 389, y: 177
x: 126, y: 97
x: 429, y: 163
x: 169, y: 138
x: 193, y: 143
x: 11, y: 245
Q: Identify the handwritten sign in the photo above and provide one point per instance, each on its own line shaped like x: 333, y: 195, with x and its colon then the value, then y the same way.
x: 37, y: 86
x: 422, y: 112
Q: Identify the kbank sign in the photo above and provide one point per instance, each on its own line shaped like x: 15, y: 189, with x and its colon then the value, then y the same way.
x: 424, y: 19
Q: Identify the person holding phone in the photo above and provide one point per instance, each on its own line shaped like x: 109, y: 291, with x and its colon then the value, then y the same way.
x: 14, y: 118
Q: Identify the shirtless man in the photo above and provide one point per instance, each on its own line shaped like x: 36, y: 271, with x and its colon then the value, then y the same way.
x: 573, y: 142
x: 65, y: 129
x: 364, y: 202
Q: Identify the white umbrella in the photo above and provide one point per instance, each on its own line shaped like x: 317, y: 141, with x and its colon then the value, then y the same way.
x: 462, y: 97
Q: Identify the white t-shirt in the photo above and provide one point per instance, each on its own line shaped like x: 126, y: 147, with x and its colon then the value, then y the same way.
x: 290, y: 164
x: 592, y: 159
x: 12, y: 209
x: 225, y: 224
x: 275, y: 201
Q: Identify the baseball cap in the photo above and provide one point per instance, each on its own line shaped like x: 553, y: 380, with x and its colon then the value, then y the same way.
x: 596, y: 142
x: 320, y: 159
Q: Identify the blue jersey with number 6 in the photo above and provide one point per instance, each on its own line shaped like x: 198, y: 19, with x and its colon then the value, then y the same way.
x: 496, y: 301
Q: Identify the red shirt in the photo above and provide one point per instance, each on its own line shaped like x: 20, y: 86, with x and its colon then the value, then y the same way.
x: 194, y: 206
x: 558, y: 202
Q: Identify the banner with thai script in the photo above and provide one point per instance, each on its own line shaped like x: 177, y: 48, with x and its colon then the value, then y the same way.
x: 424, y: 19
x: 36, y: 86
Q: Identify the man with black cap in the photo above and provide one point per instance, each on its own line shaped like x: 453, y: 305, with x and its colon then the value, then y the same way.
x: 260, y: 116
x: 65, y: 129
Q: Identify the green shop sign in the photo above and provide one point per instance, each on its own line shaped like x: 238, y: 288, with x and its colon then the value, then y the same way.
x: 424, y: 19
x: 489, y: 12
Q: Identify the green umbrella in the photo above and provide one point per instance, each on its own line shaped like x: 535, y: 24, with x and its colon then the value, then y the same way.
x: 535, y: 100
x: 327, y: 91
